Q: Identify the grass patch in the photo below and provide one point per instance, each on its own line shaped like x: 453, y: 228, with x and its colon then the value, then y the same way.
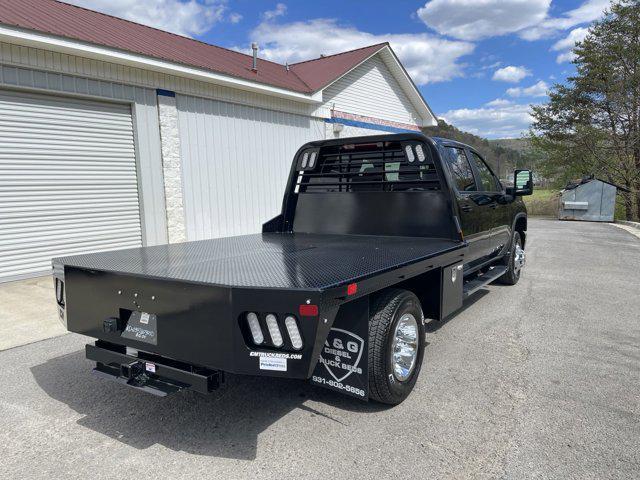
x: 543, y: 203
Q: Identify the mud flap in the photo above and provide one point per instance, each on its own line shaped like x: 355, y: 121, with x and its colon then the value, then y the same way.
x: 343, y: 363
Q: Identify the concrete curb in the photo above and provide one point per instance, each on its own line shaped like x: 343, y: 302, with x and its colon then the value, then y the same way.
x: 629, y: 224
x: 633, y: 230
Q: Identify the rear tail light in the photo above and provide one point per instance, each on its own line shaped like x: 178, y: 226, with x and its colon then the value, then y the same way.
x: 307, y: 310
x: 274, y: 330
x: 254, y: 326
x: 294, y: 332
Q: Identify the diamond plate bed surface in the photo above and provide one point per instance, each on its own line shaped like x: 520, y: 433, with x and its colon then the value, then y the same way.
x: 270, y: 260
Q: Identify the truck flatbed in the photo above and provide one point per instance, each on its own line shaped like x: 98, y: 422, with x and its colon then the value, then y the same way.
x: 373, y: 238
x: 289, y: 261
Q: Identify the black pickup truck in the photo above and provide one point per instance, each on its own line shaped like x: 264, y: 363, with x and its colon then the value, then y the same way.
x: 376, y: 235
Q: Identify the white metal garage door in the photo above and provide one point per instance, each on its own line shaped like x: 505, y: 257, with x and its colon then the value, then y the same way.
x: 67, y: 180
x: 235, y: 163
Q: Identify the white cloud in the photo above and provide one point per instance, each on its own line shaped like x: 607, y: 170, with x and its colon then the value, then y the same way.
x: 279, y: 11
x: 235, y: 17
x: 576, y: 35
x: 565, y: 46
x: 502, y: 120
x: 477, y: 19
x: 536, y: 90
x: 567, y: 56
x: 182, y: 17
x: 530, y: 19
x: 587, y: 12
x: 492, y: 66
x: 428, y: 59
x: 510, y: 74
x: 498, y: 102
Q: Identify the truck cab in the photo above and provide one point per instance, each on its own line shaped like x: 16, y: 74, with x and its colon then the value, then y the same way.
x: 489, y: 213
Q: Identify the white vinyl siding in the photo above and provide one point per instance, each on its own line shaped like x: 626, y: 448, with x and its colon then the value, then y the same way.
x: 350, y: 131
x: 68, y: 180
x: 371, y: 90
x: 235, y: 163
x: 39, y: 59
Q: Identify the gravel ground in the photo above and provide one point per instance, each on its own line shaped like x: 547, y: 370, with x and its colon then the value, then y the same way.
x: 540, y: 380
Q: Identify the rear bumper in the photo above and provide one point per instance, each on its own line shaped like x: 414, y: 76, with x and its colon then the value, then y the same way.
x: 195, y: 324
x: 151, y: 373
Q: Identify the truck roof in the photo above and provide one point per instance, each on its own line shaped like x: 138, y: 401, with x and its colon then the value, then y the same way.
x: 449, y: 142
x: 385, y: 138
x: 269, y: 260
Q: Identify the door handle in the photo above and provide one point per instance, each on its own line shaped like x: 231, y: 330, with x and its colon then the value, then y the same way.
x: 466, y: 208
x: 493, y: 205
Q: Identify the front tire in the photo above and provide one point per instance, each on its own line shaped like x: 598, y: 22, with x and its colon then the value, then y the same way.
x: 396, y: 346
x: 515, y: 262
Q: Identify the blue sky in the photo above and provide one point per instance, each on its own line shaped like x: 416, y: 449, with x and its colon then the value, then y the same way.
x: 480, y: 64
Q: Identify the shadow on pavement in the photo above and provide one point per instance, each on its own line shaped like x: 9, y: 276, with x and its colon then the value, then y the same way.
x: 225, y: 423
x: 433, y: 325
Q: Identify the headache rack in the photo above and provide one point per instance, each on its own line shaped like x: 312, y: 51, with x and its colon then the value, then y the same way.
x: 367, y: 167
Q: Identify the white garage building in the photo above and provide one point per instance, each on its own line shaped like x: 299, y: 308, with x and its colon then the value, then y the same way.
x: 115, y: 135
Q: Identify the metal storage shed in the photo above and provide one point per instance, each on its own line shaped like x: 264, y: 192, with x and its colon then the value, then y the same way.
x: 590, y: 199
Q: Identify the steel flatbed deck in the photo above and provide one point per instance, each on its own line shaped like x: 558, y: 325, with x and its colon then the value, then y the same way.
x: 336, y: 289
x: 288, y: 261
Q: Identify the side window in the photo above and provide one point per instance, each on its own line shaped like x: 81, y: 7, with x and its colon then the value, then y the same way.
x: 488, y: 181
x: 460, y: 169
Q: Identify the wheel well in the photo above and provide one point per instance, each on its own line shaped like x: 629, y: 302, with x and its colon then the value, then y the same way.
x: 425, y: 286
x: 521, y: 227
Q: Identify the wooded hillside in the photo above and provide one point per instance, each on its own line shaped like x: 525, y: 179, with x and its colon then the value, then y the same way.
x: 503, y: 155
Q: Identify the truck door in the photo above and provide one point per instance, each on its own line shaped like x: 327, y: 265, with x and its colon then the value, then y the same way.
x: 494, y: 214
x: 464, y: 185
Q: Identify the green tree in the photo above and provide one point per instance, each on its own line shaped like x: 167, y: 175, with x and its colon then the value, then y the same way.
x: 591, y: 125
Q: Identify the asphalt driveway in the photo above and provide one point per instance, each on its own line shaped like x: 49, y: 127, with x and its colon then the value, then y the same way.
x: 540, y: 380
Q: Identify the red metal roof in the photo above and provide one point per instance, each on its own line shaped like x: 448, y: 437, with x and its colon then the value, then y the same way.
x: 77, y: 23
x: 319, y: 72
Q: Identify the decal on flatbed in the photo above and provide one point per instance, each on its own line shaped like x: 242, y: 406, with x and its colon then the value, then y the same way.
x: 343, y: 359
x: 290, y: 356
x: 342, y: 353
x: 142, y: 327
x: 273, y: 363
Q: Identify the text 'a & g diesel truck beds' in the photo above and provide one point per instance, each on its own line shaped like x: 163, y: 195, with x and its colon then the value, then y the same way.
x: 376, y: 235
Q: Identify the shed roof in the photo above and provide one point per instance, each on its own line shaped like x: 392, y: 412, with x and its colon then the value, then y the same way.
x: 576, y: 183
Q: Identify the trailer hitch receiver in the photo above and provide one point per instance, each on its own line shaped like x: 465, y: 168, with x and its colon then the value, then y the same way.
x: 155, y: 374
x: 131, y: 370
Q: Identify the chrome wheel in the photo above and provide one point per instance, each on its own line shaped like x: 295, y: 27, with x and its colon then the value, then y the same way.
x: 518, y: 259
x: 404, y: 349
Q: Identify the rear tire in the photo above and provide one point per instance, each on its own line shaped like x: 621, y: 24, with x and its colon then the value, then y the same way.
x: 392, y: 377
x: 514, y: 268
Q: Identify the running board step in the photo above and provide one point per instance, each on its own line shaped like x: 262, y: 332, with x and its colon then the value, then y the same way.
x: 480, y: 281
